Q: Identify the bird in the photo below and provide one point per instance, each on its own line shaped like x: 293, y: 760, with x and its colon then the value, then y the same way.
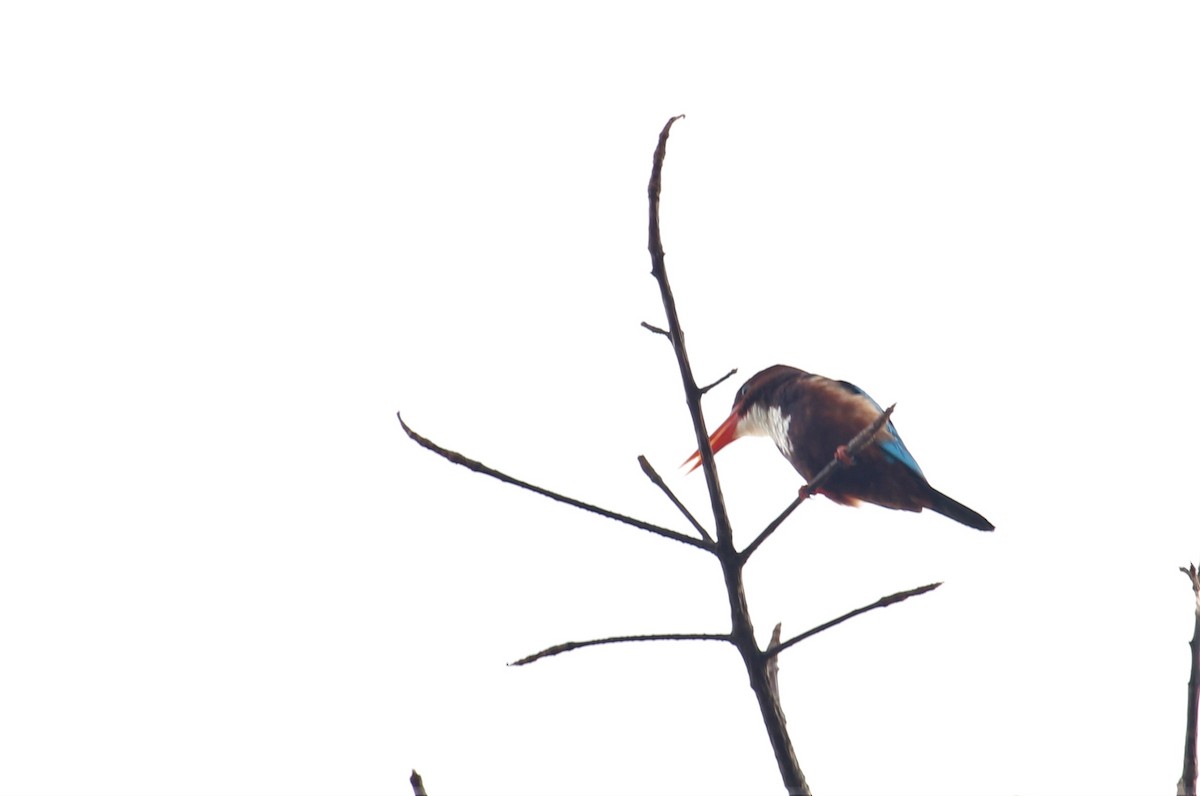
x: 811, y: 419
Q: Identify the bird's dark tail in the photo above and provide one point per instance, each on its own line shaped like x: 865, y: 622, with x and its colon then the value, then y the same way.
x: 948, y: 507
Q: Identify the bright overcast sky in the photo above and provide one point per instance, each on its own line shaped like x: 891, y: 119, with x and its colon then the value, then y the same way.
x: 238, y: 237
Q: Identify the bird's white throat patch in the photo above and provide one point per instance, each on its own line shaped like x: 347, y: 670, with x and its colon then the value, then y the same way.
x: 763, y: 421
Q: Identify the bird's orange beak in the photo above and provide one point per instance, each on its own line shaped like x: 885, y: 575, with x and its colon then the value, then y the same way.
x: 724, y: 435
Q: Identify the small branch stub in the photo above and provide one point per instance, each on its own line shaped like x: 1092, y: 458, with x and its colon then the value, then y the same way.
x: 773, y: 664
x: 656, y: 330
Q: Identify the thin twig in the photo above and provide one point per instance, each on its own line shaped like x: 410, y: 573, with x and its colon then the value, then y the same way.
x: 656, y: 479
x: 882, y: 602
x: 861, y: 440
x: 574, y: 645
x: 479, y: 467
x: 1187, y: 782
x: 704, y: 390
x: 417, y: 785
x: 656, y: 330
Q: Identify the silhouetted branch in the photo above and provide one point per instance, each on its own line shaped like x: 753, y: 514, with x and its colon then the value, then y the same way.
x: 417, y: 785
x: 741, y: 630
x: 703, y: 390
x: 882, y: 602
x: 656, y: 330
x: 656, y: 479
x: 574, y: 645
x: 861, y: 440
x: 478, y: 467
x: 1187, y: 783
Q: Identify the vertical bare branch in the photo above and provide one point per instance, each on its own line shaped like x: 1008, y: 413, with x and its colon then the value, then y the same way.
x: 742, y: 630
x: 417, y: 785
x: 1187, y: 782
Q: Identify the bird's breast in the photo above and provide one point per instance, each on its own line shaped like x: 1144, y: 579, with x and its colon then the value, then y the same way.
x: 768, y: 421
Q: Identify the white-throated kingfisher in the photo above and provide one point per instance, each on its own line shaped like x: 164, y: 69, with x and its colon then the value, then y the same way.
x: 811, y: 419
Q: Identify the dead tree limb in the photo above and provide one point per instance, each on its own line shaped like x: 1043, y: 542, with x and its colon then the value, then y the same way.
x: 1187, y: 782
x: 418, y: 785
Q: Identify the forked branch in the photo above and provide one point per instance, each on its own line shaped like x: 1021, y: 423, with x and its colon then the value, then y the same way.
x: 657, y: 480
x: 761, y: 665
x: 479, y: 467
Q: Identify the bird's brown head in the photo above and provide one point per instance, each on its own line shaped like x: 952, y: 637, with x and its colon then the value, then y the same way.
x: 752, y: 406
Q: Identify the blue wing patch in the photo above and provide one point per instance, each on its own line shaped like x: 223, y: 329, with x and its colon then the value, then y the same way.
x: 893, y: 447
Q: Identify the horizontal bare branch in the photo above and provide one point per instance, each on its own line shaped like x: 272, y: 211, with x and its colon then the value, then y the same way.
x: 882, y: 602
x: 479, y: 467
x: 574, y: 645
x: 861, y: 440
x: 657, y: 480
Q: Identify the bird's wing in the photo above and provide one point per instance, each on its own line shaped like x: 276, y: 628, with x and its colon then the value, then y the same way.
x: 893, y: 447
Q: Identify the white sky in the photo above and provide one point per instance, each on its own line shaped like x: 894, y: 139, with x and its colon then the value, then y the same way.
x: 237, y: 238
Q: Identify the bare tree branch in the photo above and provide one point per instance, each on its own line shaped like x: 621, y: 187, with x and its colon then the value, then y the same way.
x: 742, y: 629
x: 882, y: 602
x: 574, y: 645
x: 656, y: 479
x: 417, y: 785
x: 762, y: 666
x: 861, y: 440
x: 704, y: 390
x: 1187, y: 782
x: 656, y: 330
x: 478, y: 467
